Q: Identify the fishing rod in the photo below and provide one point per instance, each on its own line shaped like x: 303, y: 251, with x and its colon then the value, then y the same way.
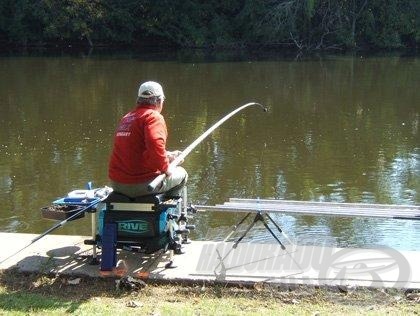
x: 152, y: 185
x: 60, y: 224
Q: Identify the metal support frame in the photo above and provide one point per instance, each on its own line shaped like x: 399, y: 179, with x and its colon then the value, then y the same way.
x: 94, y: 260
x: 259, y: 217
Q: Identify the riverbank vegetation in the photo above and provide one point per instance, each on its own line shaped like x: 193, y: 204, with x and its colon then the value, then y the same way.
x: 22, y: 294
x: 295, y: 24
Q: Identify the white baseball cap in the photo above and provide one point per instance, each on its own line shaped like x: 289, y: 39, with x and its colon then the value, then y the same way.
x: 151, y: 89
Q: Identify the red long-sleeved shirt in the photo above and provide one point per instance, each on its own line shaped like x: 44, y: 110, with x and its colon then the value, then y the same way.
x: 139, y: 152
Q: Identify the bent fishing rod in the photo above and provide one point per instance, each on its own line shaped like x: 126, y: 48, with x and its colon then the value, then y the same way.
x: 60, y: 224
x: 158, y: 180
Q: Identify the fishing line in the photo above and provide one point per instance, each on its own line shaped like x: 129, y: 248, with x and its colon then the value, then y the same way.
x: 269, y: 217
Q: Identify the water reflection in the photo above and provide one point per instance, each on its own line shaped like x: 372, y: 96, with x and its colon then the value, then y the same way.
x: 339, y: 129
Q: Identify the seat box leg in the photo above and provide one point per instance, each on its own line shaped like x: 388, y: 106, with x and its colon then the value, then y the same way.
x: 109, y: 249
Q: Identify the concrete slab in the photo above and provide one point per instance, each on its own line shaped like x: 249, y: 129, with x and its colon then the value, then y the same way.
x: 219, y: 261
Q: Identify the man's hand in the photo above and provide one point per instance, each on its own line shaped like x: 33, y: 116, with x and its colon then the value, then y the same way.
x: 170, y: 170
x: 173, y: 154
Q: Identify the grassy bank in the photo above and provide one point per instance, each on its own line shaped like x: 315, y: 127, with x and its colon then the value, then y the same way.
x: 37, y: 294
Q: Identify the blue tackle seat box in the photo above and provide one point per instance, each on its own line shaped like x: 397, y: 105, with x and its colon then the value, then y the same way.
x: 124, y: 223
x: 136, y: 218
x: 138, y: 221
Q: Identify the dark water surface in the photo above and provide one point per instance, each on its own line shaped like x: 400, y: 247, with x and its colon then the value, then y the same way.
x: 340, y: 129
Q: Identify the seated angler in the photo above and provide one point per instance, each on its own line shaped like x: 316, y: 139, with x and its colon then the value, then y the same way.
x: 139, y: 153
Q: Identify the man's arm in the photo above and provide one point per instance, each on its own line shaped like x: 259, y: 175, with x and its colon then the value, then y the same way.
x: 155, y: 135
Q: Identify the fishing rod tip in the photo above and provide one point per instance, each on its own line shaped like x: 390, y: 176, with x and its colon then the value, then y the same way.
x: 265, y: 109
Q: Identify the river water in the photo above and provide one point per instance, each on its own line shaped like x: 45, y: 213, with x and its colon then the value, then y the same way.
x: 339, y: 128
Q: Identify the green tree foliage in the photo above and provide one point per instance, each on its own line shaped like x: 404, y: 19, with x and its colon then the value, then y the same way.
x: 304, y: 24
x: 392, y: 25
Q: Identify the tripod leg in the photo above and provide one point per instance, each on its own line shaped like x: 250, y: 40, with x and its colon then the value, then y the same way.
x: 271, y: 232
x: 279, y: 229
x: 282, y: 246
x: 235, y: 227
x: 256, y: 219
